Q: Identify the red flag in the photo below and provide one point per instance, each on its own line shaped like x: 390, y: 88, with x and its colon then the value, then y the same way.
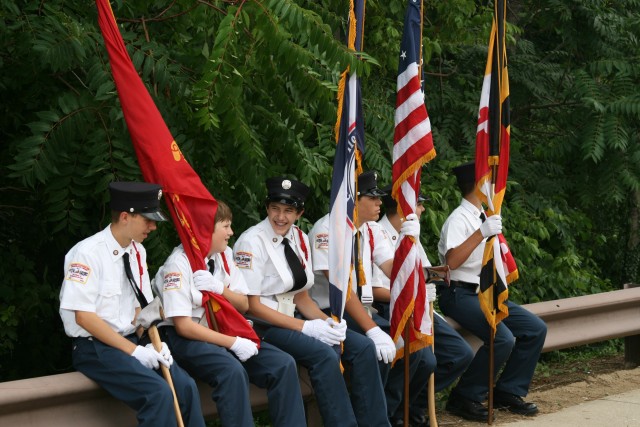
x: 412, y: 148
x: 190, y: 204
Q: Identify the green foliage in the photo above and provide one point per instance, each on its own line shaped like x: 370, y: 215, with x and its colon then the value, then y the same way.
x: 248, y: 90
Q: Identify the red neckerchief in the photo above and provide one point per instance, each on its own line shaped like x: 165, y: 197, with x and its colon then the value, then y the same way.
x: 371, y: 243
x: 225, y: 264
x: 140, y: 269
x: 303, y: 246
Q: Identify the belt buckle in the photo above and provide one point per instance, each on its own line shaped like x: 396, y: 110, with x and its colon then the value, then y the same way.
x: 285, y: 304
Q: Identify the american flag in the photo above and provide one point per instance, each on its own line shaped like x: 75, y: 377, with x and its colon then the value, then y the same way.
x: 492, y: 167
x: 412, y: 148
x: 346, y: 167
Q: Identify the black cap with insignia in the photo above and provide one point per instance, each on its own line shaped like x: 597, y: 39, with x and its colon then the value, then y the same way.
x: 288, y: 191
x: 368, y: 184
x: 137, y: 197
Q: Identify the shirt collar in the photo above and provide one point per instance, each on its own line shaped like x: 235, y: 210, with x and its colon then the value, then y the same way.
x: 113, y: 246
x: 471, y: 208
x: 274, y: 238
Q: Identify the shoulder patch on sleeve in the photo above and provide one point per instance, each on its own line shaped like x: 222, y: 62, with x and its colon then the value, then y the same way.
x: 321, y: 241
x: 78, y: 272
x: 172, y: 281
x: 244, y: 260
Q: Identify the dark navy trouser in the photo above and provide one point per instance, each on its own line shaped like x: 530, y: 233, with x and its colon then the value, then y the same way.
x: 271, y: 368
x: 142, y: 389
x: 517, y: 345
x: 323, y: 365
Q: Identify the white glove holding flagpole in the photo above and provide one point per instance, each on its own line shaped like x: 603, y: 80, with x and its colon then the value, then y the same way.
x: 411, y: 227
x: 149, y: 357
x: 340, y: 327
x: 491, y: 226
x: 205, y: 282
x: 431, y: 292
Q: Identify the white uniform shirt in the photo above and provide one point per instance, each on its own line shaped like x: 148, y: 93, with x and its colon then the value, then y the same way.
x: 461, y: 224
x: 380, y: 280
x: 174, y: 284
x: 370, y: 232
x: 259, y: 255
x: 95, y: 281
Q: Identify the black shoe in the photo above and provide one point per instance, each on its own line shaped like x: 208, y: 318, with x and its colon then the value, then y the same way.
x: 467, y: 408
x: 513, y: 403
x: 414, y: 421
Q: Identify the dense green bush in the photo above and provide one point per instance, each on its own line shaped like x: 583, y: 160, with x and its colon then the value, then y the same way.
x: 248, y: 90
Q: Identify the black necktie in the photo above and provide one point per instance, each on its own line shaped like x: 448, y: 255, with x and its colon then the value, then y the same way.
x: 127, y: 270
x: 483, y: 216
x: 299, y: 276
x: 212, y: 265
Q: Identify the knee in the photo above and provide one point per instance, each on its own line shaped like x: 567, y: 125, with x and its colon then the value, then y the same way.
x: 427, y: 361
x: 504, y: 342
x: 287, y: 365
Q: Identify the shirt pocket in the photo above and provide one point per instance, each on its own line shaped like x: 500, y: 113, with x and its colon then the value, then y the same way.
x: 109, y: 299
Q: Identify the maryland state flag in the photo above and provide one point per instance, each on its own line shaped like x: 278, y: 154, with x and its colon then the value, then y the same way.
x: 492, y: 166
x: 191, y: 206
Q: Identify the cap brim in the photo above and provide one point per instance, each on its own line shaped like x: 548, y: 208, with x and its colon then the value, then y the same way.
x: 154, y: 216
x: 374, y: 192
x: 285, y: 201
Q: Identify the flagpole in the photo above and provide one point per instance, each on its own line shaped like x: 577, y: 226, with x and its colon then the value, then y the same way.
x: 494, y: 159
x: 431, y: 392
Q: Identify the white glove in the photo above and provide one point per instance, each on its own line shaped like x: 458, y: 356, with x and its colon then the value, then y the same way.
x: 149, y: 357
x: 411, y: 227
x: 244, y: 348
x: 385, y: 347
x: 205, y: 282
x: 431, y: 292
x: 491, y: 226
x: 321, y: 330
x: 164, y: 352
x: 340, y: 327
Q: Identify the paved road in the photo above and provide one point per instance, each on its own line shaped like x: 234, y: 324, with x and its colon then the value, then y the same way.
x: 620, y: 410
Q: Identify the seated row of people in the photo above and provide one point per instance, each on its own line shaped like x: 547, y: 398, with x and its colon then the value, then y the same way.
x: 278, y: 277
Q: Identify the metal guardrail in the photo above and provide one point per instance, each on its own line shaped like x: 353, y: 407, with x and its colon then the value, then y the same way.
x: 583, y: 320
x: 72, y: 399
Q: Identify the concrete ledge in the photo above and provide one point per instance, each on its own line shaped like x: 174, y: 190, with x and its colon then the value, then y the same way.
x: 582, y: 320
x: 73, y: 399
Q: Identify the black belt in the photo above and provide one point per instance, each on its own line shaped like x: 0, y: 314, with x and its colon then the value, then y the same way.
x: 465, y: 285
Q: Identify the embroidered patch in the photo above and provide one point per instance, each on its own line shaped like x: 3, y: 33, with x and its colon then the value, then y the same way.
x: 78, y: 273
x: 244, y: 259
x: 172, y: 281
x: 322, y: 241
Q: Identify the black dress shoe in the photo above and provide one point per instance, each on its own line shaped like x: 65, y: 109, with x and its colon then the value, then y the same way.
x: 513, y: 403
x: 467, y: 408
x: 414, y: 421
